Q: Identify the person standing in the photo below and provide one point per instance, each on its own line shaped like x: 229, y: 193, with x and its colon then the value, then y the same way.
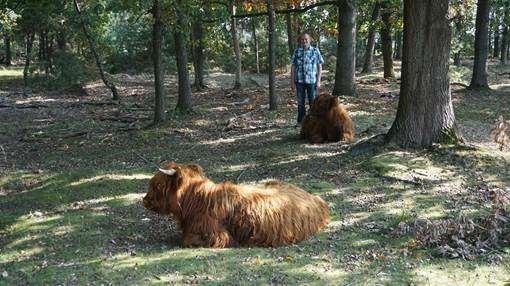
x: 305, y: 74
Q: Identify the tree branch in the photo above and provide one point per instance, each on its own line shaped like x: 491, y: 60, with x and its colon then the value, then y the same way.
x: 287, y: 11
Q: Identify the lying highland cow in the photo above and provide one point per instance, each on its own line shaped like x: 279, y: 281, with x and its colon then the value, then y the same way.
x: 327, y: 121
x: 225, y: 215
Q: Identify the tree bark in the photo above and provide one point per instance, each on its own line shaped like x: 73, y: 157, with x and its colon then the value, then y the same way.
x: 504, y: 46
x: 90, y: 40
x: 29, y: 40
x: 345, y: 83
x: 235, y: 41
x: 290, y: 37
x: 425, y: 113
x: 273, y: 99
x: 198, y: 53
x: 181, y: 55
x: 8, y: 54
x: 386, y: 42
x: 159, y: 94
x: 495, y: 53
x: 457, y: 56
x: 397, y: 55
x: 479, y: 78
x: 368, y: 61
x: 255, y: 43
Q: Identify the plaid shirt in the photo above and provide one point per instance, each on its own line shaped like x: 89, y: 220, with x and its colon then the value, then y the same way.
x: 306, y: 62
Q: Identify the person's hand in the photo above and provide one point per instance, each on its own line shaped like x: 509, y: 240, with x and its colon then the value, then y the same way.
x: 293, y: 86
x: 318, y: 86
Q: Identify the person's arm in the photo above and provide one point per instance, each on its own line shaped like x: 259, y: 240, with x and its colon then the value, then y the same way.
x: 319, y: 72
x: 293, y: 77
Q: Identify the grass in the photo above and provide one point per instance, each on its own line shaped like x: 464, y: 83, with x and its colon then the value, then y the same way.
x: 71, y: 213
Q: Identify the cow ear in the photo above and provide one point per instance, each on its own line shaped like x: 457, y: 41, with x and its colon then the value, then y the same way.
x: 169, y: 172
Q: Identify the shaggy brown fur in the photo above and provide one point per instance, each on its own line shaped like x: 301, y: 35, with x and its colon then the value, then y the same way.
x: 225, y: 215
x: 327, y: 121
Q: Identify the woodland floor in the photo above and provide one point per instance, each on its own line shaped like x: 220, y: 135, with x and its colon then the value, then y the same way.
x: 75, y: 166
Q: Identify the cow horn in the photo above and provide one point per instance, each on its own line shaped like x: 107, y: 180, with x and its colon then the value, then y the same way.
x: 170, y: 172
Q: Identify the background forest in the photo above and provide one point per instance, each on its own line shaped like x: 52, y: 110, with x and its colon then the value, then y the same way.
x: 96, y: 95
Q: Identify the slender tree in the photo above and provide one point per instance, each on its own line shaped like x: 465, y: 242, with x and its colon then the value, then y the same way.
x: 386, y: 41
x: 159, y: 94
x: 198, y: 52
x: 181, y: 55
x: 29, y: 41
x: 425, y: 112
x: 290, y: 37
x: 368, y: 61
x: 235, y: 41
x: 7, y: 46
x: 273, y: 98
x: 345, y: 83
x: 479, y: 78
x: 92, y: 45
x: 255, y: 43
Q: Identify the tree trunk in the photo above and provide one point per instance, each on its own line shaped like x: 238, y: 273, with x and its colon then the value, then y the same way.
x: 496, y: 47
x: 290, y: 37
x: 457, y: 59
x: 479, y: 78
x: 398, y: 46
x: 386, y: 42
x: 504, y: 44
x: 255, y: 43
x: 8, y: 55
x: 273, y: 99
x: 107, y: 83
x: 345, y: 83
x: 159, y: 94
x: 181, y: 55
x: 425, y: 112
x: 29, y: 40
x: 368, y: 61
x: 235, y: 41
x: 198, y: 53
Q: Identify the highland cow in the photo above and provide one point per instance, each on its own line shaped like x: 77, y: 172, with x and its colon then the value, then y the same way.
x: 226, y: 214
x: 327, y: 121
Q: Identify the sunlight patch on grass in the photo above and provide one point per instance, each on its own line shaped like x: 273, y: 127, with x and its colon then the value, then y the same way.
x: 113, y: 177
x: 11, y: 72
x: 458, y: 273
x: 237, y: 138
x: 17, y: 255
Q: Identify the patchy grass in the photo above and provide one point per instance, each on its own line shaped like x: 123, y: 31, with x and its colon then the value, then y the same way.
x: 74, y: 169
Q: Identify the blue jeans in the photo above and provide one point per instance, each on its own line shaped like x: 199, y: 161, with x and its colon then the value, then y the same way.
x: 303, y: 90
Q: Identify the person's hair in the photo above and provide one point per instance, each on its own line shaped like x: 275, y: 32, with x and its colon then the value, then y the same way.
x: 304, y: 35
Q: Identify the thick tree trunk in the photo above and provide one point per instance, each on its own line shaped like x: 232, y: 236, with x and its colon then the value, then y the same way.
x: 386, y: 42
x: 29, y: 40
x: 398, y: 46
x: 159, y: 94
x: 290, y: 37
x: 479, y: 78
x: 495, y: 53
x: 235, y: 41
x: 8, y: 54
x: 345, y: 83
x: 273, y: 98
x: 181, y: 55
x: 368, y: 61
x: 255, y: 43
x: 198, y: 53
x: 425, y: 112
x: 108, y: 83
